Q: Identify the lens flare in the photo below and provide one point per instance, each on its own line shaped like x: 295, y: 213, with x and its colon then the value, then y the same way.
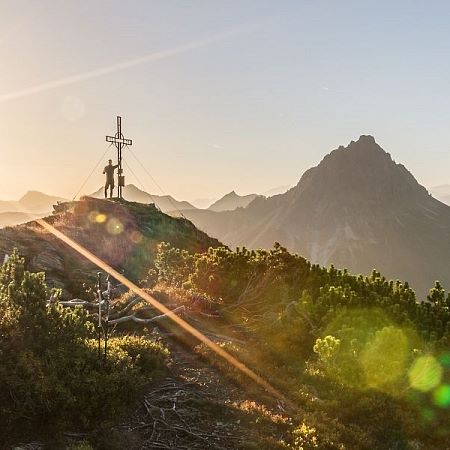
x: 441, y: 396
x: 92, y: 215
x: 445, y: 360
x: 384, y: 357
x: 100, y: 218
x: 425, y: 373
x: 136, y: 237
x: 147, y: 58
x: 95, y: 217
x: 114, y: 226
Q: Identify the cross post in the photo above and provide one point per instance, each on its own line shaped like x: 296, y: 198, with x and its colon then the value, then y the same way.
x: 119, y: 141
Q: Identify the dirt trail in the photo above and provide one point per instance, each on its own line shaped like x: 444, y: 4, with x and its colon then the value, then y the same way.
x: 198, y: 407
x: 195, y: 406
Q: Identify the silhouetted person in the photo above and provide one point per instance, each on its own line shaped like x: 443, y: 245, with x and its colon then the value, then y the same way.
x: 109, y: 171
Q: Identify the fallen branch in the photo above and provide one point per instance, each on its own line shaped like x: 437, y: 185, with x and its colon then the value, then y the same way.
x: 133, y: 317
x: 76, y: 302
x: 133, y: 302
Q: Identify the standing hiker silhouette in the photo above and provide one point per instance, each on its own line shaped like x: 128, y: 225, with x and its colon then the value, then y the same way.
x: 109, y: 172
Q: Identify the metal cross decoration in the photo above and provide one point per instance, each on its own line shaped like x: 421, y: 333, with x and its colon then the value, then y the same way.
x: 119, y: 141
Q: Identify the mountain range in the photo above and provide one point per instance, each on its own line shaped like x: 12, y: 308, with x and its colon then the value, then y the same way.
x: 37, y: 204
x: 33, y: 204
x: 33, y: 201
x: 165, y: 203
x: 168, y: 204
x: 357, y: 209
x: 231, y: 201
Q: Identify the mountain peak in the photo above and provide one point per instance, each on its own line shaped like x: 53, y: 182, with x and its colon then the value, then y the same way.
x: 365, y: 149
x: 37, y: 201
x: 31, y: 195
x: 358, y: 209
x: 366, y: 139
x: 360, y: 173
x: 232, y: 201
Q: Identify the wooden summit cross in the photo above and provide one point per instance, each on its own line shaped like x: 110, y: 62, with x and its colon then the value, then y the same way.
x: 119, y: 141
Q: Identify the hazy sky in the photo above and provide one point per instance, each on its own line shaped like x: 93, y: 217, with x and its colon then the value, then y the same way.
x: 218, y: 95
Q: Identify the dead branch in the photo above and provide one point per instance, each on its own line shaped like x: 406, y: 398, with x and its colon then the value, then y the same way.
x: 77, y: 302
x: 133, y: 302
x: 136, y: 319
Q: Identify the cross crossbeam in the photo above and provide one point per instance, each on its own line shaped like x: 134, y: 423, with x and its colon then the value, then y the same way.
x: 119, y: 140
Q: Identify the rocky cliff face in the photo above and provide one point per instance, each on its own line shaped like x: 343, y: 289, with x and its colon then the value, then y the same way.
x: 357, y: 209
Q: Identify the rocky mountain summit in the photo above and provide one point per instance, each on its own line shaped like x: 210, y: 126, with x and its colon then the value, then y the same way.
x: 357, y: 209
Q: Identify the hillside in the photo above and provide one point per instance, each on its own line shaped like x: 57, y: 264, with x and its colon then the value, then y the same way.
x: 123, y: 234
x: 357, y: 209
x: 33, y: 201
x: 165, y: 203
x: 232, y: 201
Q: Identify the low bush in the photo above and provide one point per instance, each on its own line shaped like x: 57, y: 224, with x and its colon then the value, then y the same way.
x: 50, y: 370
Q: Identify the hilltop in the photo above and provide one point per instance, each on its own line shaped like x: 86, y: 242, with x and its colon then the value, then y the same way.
x: 124, y: 234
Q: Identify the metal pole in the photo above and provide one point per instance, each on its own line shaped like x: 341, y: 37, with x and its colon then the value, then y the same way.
x: 107, y: 318
x: 119, y: 148
x: 99, y: 326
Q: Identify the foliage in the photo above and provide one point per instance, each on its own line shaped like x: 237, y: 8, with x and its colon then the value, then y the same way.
x: 50, y: 369
x: 327, y: 347
x: 353, y: 338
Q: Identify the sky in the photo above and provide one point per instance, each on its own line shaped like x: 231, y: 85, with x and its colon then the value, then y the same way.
x: 218, y: 95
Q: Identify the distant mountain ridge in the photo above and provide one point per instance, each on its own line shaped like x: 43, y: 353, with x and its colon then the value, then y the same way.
x: 276, y: 190
x: 166, y: 203
x: 35, y: 204
x: 356, y: 209
x: 33, y: 201
x: 31, y: 205
x: 231, y: 201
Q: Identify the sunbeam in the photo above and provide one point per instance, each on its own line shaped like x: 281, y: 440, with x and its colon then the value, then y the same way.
x: 164, y: 310
x: 150, y: 57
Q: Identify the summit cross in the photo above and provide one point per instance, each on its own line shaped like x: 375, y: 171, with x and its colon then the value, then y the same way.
x: 119, y: 141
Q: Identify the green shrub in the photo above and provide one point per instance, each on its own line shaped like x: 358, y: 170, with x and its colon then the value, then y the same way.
x: 50, y: 369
